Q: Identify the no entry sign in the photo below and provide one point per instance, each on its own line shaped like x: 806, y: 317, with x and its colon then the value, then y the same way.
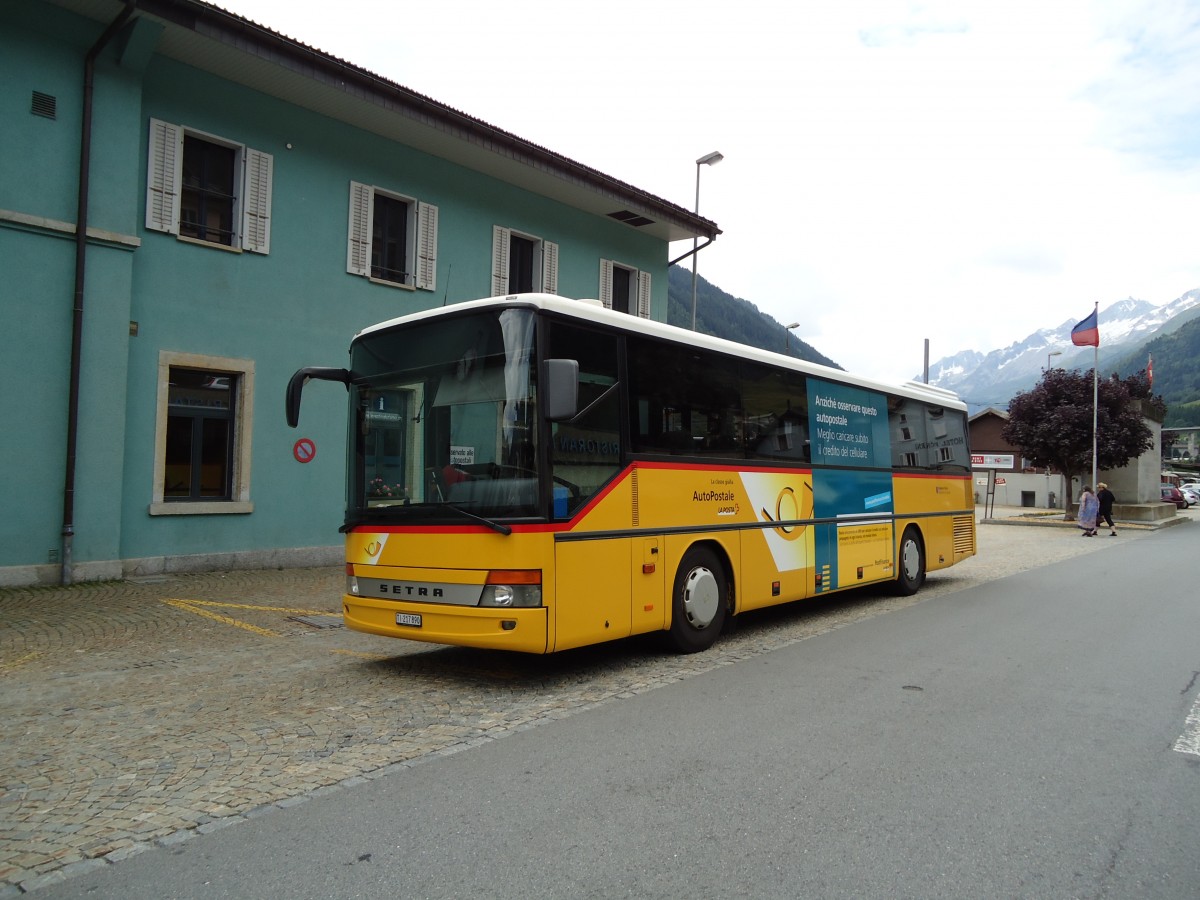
x: 304, y: 450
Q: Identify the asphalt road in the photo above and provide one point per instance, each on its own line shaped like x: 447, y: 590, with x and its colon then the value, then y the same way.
x: 1015, y: 738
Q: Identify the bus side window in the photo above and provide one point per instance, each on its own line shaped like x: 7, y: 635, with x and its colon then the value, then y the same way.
x: 776, y: 414
x: 927, y: 437
x: 585, y: 453
x: 703, y: 416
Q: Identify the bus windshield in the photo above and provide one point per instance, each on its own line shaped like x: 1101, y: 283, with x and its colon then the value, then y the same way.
x: 446, y: 420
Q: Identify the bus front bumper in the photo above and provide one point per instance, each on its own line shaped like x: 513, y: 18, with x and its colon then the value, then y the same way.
x: 523, y: 630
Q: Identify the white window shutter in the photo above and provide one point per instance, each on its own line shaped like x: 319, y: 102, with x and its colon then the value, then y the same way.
x: 606, y: 282
x: 500, y: 240
x: 549, y: 267
x: 256, y: 203
x: 427, y: 242
x: 643, y: 297
x: 163, y: 174
x: 358, y: 250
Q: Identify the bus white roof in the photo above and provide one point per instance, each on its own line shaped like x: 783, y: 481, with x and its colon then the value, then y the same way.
x: 594, y: 311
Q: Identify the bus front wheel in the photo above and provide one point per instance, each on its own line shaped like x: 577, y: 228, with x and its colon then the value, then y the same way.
x: 699, y: 601
x: 911, y: 563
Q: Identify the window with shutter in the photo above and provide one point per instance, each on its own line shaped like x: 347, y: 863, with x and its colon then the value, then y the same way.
x: 391, y: 238
x: 208, y: 189
x: 624, y: 288
x: 522, y: 263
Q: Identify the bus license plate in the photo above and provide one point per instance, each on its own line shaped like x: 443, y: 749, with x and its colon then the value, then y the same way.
x: 413, y: 619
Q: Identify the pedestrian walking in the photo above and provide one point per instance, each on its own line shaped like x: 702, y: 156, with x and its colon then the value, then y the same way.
x: 1088, y: 507
x: 1106, y: 499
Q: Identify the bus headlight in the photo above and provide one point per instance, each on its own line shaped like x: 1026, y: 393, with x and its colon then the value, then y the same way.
x: 351, y: 581
x: 512, y: 588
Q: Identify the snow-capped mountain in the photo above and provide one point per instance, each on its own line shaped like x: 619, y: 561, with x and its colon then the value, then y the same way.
x: 992, y: 379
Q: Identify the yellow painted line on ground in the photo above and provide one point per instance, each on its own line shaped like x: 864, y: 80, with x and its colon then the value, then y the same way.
x: 360, y: 653
x: 189, y: 606
x: 283, y: 609
x: 13, y: 664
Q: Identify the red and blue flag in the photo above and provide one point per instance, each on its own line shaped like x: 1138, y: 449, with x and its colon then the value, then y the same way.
x: 1087, y: 332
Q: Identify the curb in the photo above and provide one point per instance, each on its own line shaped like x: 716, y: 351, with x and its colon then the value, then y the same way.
x: 1054, y: 521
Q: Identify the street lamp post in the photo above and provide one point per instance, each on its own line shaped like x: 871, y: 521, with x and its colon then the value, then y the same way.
x: 787, y: 343
x: 708, y: 159
x: 1050, y: 355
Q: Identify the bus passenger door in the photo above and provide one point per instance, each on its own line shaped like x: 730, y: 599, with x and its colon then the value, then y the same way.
x: 650, y: 600
x: 591, y: 591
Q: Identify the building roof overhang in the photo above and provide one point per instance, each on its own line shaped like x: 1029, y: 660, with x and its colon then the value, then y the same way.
x: 224, y: 44
x: 989, y: 411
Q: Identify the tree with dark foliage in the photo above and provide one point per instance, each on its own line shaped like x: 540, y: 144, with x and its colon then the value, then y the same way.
x: 1051, y: 423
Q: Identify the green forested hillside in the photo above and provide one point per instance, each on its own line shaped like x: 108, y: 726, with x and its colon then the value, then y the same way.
x: 1176, y: 372
x: 725, y: 316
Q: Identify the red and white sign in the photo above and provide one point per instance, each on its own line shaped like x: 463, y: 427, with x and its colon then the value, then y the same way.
x: 992, y: 460
x: 304, y: 450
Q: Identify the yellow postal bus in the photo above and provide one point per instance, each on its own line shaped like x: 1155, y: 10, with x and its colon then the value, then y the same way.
x: 535, y: 473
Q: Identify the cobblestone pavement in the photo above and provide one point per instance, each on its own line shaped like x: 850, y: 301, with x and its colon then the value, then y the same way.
x: 141, y: 714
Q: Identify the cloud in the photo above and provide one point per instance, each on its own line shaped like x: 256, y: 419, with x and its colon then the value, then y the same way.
x: 1149, y: 98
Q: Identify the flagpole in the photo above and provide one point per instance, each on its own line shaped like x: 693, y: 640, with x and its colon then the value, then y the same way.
x: 1095, y: 394
x: 1087, y: 333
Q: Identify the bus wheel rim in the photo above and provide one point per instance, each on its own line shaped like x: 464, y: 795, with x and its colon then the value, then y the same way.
x: 701, y: 597
x: 912, y: 559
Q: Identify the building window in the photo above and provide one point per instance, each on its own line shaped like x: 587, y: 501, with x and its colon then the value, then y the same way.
x: 522, y: 263
x: 207, y: 197
x: 392, y: 238
x: 521, y: 253
x: 624, y: 288
x: 202, y: 435
x: 207, y: 189
x: 200, y: 411
x: 389, y: 240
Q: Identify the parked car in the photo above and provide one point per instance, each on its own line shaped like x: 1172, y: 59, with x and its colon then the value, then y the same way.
x: 1192, y: 495
x: 1172, y: 494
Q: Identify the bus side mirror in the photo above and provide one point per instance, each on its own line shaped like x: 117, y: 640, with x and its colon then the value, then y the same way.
x: 296, y: 386
x: 560, y: 389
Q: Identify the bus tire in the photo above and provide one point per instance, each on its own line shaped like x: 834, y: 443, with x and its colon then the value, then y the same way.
x: 699, y: 601
x: 910, y: 563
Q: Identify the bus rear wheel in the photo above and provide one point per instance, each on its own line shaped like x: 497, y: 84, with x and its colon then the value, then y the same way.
x: 910, y: 560
x: 699, y: 601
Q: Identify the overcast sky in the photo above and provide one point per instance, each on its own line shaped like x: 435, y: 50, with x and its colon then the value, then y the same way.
x: 961, y: 171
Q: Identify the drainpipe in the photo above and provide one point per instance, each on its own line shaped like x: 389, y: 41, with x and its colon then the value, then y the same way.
x: 81, y: 225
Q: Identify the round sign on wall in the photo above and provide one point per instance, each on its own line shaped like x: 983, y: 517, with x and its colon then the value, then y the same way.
x: 304, y: 450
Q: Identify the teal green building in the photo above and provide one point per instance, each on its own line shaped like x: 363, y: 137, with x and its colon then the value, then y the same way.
x: 191, y: 208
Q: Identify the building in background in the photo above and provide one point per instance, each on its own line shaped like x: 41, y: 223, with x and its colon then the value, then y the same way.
x: 247, y: 204
x: 999, y: 467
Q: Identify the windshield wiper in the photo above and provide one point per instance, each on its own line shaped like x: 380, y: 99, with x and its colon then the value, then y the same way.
x: 433, y: 508
x: 495, y: 526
